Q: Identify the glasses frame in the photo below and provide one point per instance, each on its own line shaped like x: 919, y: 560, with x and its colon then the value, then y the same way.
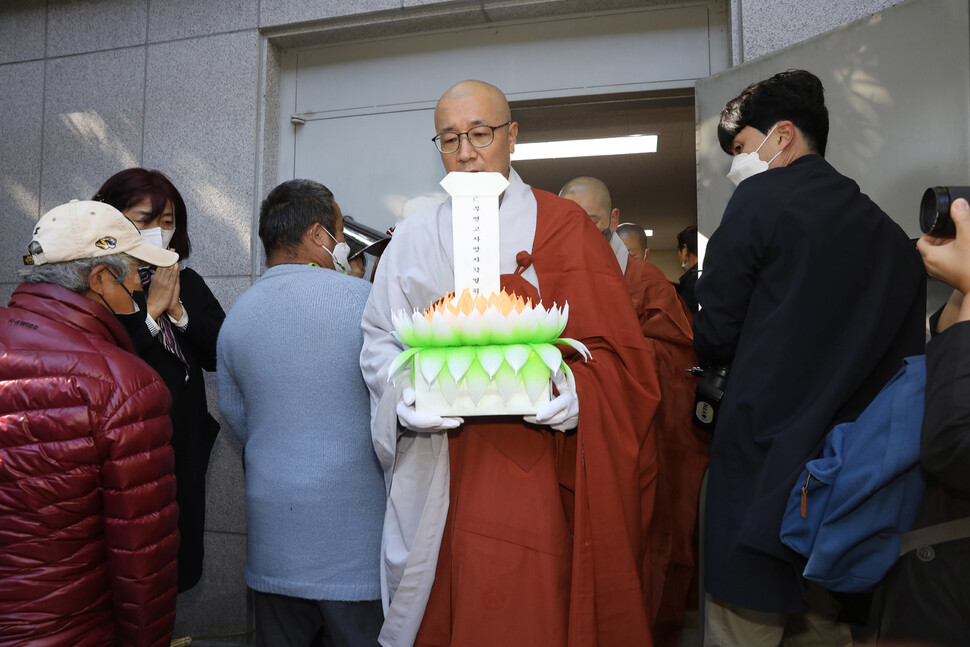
x: 436, y: 140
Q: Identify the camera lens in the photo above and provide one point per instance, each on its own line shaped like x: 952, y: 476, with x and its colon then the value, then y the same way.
x: 934, y: 209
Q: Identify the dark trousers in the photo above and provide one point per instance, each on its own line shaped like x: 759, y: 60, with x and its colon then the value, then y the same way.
x: 284, y: 621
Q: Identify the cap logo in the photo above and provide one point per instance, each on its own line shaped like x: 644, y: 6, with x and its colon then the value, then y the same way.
x: 106, y: 242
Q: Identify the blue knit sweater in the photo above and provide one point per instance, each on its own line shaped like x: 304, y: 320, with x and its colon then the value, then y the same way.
x: 291, y: 390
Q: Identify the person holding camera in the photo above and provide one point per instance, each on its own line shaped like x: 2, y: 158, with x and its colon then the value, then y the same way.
x: 927, y: 594
x: 812, y: 296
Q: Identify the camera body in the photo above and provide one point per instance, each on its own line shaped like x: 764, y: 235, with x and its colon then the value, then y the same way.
x: 708, y: 394
x: 934, y: 209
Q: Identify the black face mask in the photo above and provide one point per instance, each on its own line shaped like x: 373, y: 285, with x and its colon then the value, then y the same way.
x: 139, y: 298
x: 607, y: 234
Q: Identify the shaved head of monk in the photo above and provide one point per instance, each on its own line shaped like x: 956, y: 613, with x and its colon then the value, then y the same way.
x: 474, y: 128
x: 635, y: 240
x: 592, y: 195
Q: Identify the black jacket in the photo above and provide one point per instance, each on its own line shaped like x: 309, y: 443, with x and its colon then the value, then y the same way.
x: 194, y: 430
x: 927, y: 595
x: 685, y: 288
x: 812, y: 295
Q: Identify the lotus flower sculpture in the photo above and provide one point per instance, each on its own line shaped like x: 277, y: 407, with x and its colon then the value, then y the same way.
x: 477, y: 346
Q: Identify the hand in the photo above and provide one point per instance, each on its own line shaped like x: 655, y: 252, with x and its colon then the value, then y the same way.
x: 562, y: 412
x: 948, y: 259
x: 421, y: 421
x: 163, y: 290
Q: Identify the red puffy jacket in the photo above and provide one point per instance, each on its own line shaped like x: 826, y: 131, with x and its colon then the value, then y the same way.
x: 88, y: 521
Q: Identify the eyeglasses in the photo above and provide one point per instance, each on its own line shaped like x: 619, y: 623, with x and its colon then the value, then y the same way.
x: 479, y: 137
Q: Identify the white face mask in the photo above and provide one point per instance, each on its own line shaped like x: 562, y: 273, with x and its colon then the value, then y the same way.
x: 744, y: 165
x: 158, y: 236
x: 340, y: 254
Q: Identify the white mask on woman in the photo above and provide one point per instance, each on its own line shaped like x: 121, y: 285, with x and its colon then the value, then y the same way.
x: 744, y: 165
x: 158, y: 236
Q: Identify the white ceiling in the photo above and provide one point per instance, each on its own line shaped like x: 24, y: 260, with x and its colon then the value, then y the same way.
x: 658, y: 190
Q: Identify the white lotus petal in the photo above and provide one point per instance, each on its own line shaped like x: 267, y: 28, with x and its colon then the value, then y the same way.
x: 422, y: 330
x: 473, y: 332
x: 398, y: 364
x: 535, y: 377
x: 578, y: 345
x: 442, y: 331
x: 550, y: 355
x: 507, y: 381
x: 476, y: 381
x: 448, y: 386
x: 430, y: 361
x: 459, y: 359
x: 517, y: 355
x: 501, y: 329
x: 570, y: 378
x: 491, y: 358
x: 548, y: 326
x: 404, y: 329
x: 563, y: 319
x: 527, y: 326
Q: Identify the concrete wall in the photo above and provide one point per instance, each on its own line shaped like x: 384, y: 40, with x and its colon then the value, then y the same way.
x: 191, y: 88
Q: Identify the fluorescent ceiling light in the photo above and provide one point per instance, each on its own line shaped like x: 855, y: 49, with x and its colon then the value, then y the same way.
x: 648, y: 232
x: 627, y: 145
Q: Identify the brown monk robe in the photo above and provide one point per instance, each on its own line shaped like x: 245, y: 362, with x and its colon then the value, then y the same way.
x: 544, y: 545
x: 682, y: 447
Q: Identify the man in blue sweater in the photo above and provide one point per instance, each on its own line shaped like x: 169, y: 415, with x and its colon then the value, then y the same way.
x: 291, y: 390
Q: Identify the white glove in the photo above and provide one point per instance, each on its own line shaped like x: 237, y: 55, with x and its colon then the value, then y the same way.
x: 562, y: 412
x: 421, y: 421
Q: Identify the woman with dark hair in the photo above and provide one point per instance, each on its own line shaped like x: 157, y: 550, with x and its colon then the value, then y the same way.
x: 175, y: 332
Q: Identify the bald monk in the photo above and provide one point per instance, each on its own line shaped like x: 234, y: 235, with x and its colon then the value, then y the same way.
x: 501, y: 531
x: 635, y: 239
x: 682, y: 448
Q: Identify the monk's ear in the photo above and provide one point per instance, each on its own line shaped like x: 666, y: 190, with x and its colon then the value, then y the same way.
x: 614, y: 219
x: 513, y: 134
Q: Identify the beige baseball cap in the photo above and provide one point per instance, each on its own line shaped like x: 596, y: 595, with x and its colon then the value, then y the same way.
x: 87, y: 229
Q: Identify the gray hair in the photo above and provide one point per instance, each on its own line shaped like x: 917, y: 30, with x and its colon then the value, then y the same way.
x: 74, y: 275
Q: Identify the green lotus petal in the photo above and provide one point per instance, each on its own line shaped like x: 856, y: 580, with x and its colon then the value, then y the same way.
x: 535, y: 376
x: 448, y: 385
x: 476, y: 380
x: 491, y: 358
x: 517, y: 355
x: 550, y: 355
x: 430, y: 361
x: 459, y: 359
x: 422, y: 330
x: 398, y: 364
x: 507, y: 381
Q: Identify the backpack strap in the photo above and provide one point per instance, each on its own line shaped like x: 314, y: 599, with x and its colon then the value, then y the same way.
x: 936, y: 534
